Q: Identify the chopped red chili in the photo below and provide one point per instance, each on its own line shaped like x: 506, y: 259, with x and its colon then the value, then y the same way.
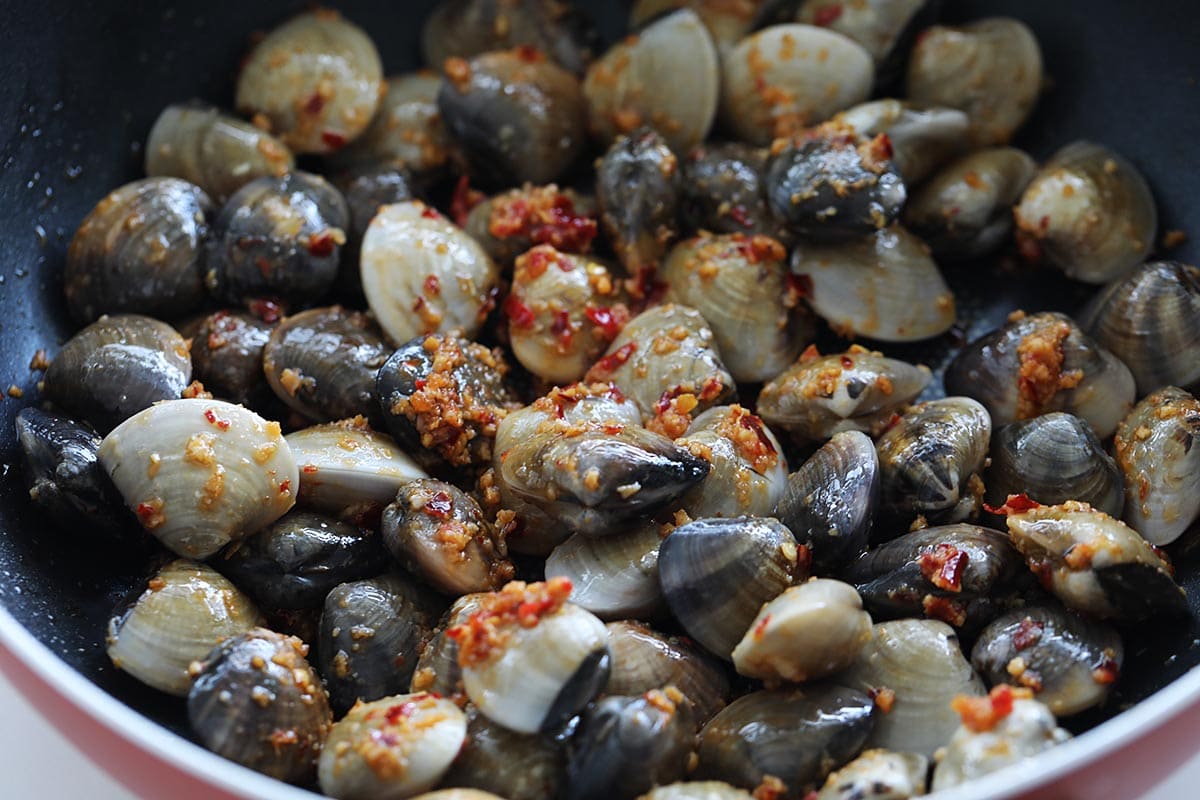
x: 827, y: 15
x: 440, y: 505
x: 1028, y: 633
x: 615, y: 359
x: 943, y: 566
x: 517, y: 312
x: 333, y: 139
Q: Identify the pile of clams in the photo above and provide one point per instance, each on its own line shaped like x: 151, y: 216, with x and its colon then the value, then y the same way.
x: 462, y: 467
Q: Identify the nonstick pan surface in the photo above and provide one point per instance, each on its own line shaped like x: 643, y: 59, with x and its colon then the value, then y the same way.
x: 81, y: 83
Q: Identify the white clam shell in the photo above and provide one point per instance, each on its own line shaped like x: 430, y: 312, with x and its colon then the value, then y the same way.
x: 187, y: 610
x: 341, y: 466
x: 201, y: 473
x: 1026, y: 731
x: 422, y: 274
x: 787, y: 77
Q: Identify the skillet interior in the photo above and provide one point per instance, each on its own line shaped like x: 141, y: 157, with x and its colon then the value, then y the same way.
x: 80, y: 85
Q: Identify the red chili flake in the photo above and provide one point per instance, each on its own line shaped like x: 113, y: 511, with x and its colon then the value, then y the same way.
x: 213, y: 419
x: 664, y: 400
x: 529, y: 54
x: 811, y: 353
x: 562, y: 329
x: 334, y: 139
x: 530, y: 611
x: 441, y: 505
x: 398, y: 712
x: 1107, y: 672
x: 147, y: 511
x: 760, y: 628
x: 535, y: 262
x: 285, y: 486
x: 615, y: 359
x: 881, y: 147
x: 738, y: 214
x: 1014, y: 504
x: 647, y: 286
x: 1029, y: 633
x: 432, y: 285
x: 518, y: 313
x: 566, y: 230
x: 803, y: 560
x: 753, y: 423
x: 314, y: 103
x: 321, y: 244
x: 613, y: 392
x: 604, y: 319
x: 429, y: 212
x: 847, y: 362
x: 613, y: 428
x: 309, y: 469
x: 711, y: 389
x: 385, y: 738
x: 799, y: 287
x: 943, y: 566
x: 827, y: 15
x: 950, y: 611
x: 463, y: 200
x: 758, y: 248
x: 981, y: 714
x: 418, y: 304
x: 268, y: 311
x: 264, y: 266
x: 883, y: 698
x: 420, y: 384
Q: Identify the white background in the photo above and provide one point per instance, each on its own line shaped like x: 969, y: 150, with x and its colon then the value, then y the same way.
x: 38, y: 762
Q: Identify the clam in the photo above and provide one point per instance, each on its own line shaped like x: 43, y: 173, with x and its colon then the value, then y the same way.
x: 830, y: 502
x: 717, y: 573
x: 667, y: 77
x: 784, y: 78
x: 697, y: 790
x: 509, y: 223
x: 530, y: 660
x: 468, y: 28
x: 346, y: 466
x: 562, y: 312
x: 322, y: 363
x: 371, y: 633
x: 315, y: 81
x: 443, y: 397
x: 1094, y: 563
x: 723, y: 190
x: 740, y: 285
x: 66, y: 481
x: 214, y: 150
x: 831, y: 185
x: 185, y: 611
x: 748, y: 470
x: 798, y: 736
x: 1088, y: 212
x: 913, y: 669
x: 517, y: 766
x: 673, y: 370
x: 141, y: 249
x: 367, y: 189
x: 421, y: 274
x: 964, y: 210
x: 116, y: 367
x: 1069, y: 662
x: 256, y: 701
x: 885, y: 28
x: 1011, y: 731
x: 297, y: 560
x: 990, y: 68
x: 437, y: 668
x: 930, y: 460
x: 638, y: 188
x: 514, y: 115
x: 459, y: 794
x: 439, y: 532
x: 878, y: 775
x: 958, y: 574
x: 883, y: 287
x: 727, y: 21
x: 613, y: 576
x: 201, y: 473
x: 393, y: 748
x: 1053, y: 458
x: 858, y: 390
x: 643, y: 659
x: 1041, y: 363
x: 624, y: 746
x: 277, y: 239
x: 922, y: 137
x: 809, y: 632
x: 227, y: 355
x: 407, y: 128
x: 1149, y: 319
x: 1155, y: 447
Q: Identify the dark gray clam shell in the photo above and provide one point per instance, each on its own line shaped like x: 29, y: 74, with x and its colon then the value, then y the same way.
x: 516, y: 766
x: 297, y: 560
x: 1069, y: 662
x: 227, y: 356
x: 366, y: 189
x: 323, y: 363
x: 141, y: 249
x: 637, y: 189
x: 716, y: 574
x: 830, y: 502
x: 723, y: 190
x: 1053, y: 458
x: 371, y: 634
x: 437, y: 669
x: 625, y: 746
x: 796, y: 735
x: 278, y: 239
x: 921, y: 137
x: 956, y: 573
x: 116, y: 367
x: 1150, y: 319
x: 256, y: 701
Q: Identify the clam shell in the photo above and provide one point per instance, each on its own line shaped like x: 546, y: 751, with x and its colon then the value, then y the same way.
x: 727, y: 22
x: 407, y: 129
x: 343, y: 465
x: 748, y: 470
x: 421, y: 274
x: 922, y: 663
x: 787, y: 77
x: 884, y: 287
x: 885, y: 28
x: 667, y: 77
x: 517, y: 766
x: 638, y: 189
x: 922, y: 137
x: 614, y: 576
x: 878, y: 775
x: 1026, y: 731
x: 186, y: 610
x: 437, y: 668
x: 697, y: 790
x: 227, y: 356
x: 201, y: 473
